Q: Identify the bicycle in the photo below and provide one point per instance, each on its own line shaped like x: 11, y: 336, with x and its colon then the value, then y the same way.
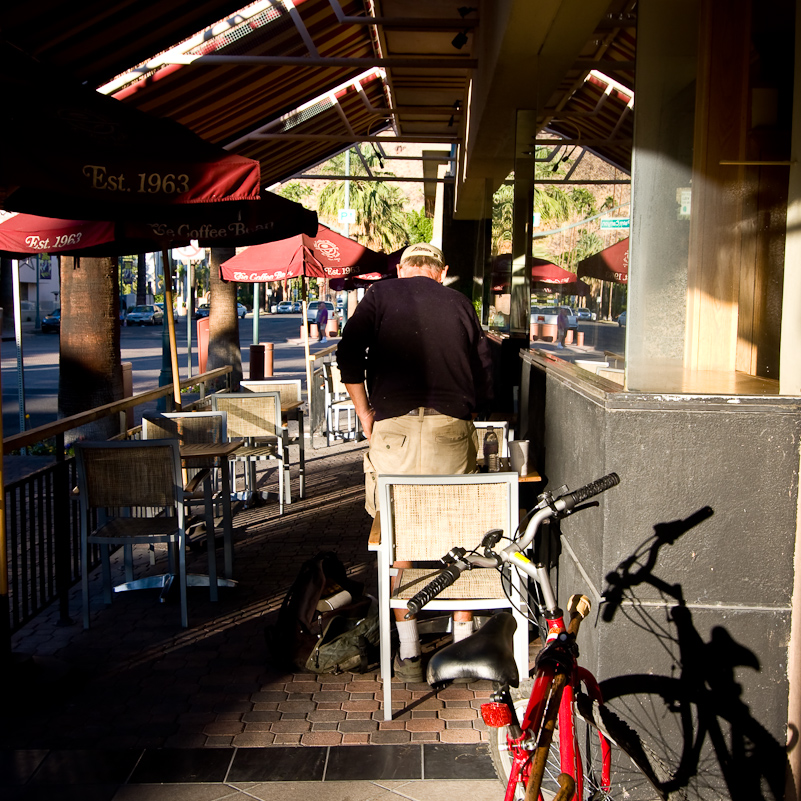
x: 549, y: 738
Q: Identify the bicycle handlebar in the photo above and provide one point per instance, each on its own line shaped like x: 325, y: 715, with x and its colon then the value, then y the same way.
x: 573, y: 499
x: 548, y: 508
x: 434, y: 588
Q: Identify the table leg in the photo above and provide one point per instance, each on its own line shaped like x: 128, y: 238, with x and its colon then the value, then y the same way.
x: 228, y: 529
x: 301, y: 457
x: 211, y: 550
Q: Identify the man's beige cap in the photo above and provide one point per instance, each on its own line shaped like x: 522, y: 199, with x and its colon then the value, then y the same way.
x: 425, y: 250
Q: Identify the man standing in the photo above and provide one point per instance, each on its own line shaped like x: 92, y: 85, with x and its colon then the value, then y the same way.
x: 561, y: 327
x: 322, y: 320
x: 422, y: 352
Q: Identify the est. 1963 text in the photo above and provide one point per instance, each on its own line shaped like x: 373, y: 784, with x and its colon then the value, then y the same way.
x: 144, y: 182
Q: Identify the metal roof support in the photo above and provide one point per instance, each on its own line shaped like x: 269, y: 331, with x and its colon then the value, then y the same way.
x: 301, y: 28
x: 443, y: 63
x: 405, y: 23
x: 423, y: 140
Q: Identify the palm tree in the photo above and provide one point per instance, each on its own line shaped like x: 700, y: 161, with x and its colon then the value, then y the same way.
x: 223, y: 322
x: 90, y: 370
x: 380, y: 215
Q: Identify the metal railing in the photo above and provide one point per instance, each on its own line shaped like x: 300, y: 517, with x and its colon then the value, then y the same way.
x: 42, y: 519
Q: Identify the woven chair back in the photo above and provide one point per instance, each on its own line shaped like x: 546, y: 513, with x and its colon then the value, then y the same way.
x: 250, y: 414
x: 429, y: 519
x: 130, y: 474
x: 290, y: 391
x: 189, y: 428
x: 337, y: 384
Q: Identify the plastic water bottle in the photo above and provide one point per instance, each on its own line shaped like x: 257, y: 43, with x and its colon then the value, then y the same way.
x: 491, y: 460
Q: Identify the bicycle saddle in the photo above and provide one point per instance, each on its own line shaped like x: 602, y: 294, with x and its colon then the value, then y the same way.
x: 487, y: 654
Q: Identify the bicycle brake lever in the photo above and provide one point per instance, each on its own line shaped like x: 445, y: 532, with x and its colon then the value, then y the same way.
x: 583, y: 506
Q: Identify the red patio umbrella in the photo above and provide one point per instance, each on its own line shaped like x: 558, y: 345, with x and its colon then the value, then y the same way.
x: 543, y: 272
x: 325, y: 255
x: 611, y: 264
x: 68, y: 151
x: 237, y: 224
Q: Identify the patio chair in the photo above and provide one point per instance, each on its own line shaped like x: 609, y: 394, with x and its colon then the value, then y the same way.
x: 135, y: 491
x: 338, y: 401
x: 421, y: 519
x: 256, y: 417
x: 291, y: 392
x: 199, y: 428
x: 502, y: 431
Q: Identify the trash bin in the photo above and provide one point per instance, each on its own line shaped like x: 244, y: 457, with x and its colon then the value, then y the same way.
x: 257, y: 362
x: 202, y: 343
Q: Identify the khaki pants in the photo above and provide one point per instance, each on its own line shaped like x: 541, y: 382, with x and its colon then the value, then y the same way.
x: 418, y: 445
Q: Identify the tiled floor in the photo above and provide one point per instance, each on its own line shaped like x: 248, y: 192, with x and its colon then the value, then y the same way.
x: 138, y: 708
x: 365, y: 771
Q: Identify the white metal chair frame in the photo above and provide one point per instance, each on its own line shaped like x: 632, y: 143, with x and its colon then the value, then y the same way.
x: 501, y: 429
x: 442, y: 536
x: 159, y: 425
x: 338, y: 401
x: 265, y: 436
x: 291, y: 391
x: 107, y: 491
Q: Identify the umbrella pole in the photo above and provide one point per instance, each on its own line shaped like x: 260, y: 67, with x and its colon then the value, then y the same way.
x: 307, y: 354
x: 176, y: 379
x: 4, y: 608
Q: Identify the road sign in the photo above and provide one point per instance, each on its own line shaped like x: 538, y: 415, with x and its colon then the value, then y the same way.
x: 347, y: 215
x: 614, y: 222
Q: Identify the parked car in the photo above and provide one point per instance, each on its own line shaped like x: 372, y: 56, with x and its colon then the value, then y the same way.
x: 145, y: 315
x: 621, y: 319
x: 205, y: 309
x: 161, y: 306
x: 585, y: 314
x: 548, y: 315
x: 285, y: 307
x: 333, y: 313
x: 52, y: 321
x: 27, y: 311
x: 297, y: 306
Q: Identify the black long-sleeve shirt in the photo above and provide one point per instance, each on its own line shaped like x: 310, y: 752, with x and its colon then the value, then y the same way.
x: 418, y: 343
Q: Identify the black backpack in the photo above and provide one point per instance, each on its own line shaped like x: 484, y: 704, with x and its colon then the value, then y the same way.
x: 326, y: 624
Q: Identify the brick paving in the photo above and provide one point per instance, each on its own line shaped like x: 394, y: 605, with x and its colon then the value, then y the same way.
x: 135, y: 679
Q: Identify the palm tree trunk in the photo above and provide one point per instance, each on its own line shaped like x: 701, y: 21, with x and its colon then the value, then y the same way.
x: 90, y: 371
x: 141, y: 280
x: 223, y: 322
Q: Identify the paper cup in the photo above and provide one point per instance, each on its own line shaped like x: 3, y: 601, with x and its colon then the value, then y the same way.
x: 518, y: 456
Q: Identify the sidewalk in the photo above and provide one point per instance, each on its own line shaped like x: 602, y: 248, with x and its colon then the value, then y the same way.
x: 136, y: 699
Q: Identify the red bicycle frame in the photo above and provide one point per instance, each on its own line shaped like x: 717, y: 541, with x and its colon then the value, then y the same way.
x: 533, y: 718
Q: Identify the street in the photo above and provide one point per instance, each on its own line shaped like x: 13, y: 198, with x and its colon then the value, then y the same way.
x: 142, y: 346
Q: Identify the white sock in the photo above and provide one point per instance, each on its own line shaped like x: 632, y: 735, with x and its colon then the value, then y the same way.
x: 409, y: 639
x: 462, y: 629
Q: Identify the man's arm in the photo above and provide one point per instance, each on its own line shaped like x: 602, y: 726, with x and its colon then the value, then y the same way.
x: 358, y: 394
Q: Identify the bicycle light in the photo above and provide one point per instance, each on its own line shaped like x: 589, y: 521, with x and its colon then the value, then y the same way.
x: 495, y: 714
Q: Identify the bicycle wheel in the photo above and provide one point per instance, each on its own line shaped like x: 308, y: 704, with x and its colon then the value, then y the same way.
x: 714, y: 750
x: 632, y: 775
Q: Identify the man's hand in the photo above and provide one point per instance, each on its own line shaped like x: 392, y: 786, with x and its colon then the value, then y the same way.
x: 366, y: 419
x: 365, y: 413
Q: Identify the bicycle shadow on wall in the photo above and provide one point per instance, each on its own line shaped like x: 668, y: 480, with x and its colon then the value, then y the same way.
x: 695, y: 718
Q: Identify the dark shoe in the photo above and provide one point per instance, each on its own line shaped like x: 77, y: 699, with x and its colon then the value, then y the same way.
x: 409, y: 670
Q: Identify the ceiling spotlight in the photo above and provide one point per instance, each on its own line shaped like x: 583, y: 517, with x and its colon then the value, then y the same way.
x: 465, y: 10
x: 460, y: 40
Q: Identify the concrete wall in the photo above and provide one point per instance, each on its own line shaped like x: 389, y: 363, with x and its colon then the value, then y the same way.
x: 697, y: 543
